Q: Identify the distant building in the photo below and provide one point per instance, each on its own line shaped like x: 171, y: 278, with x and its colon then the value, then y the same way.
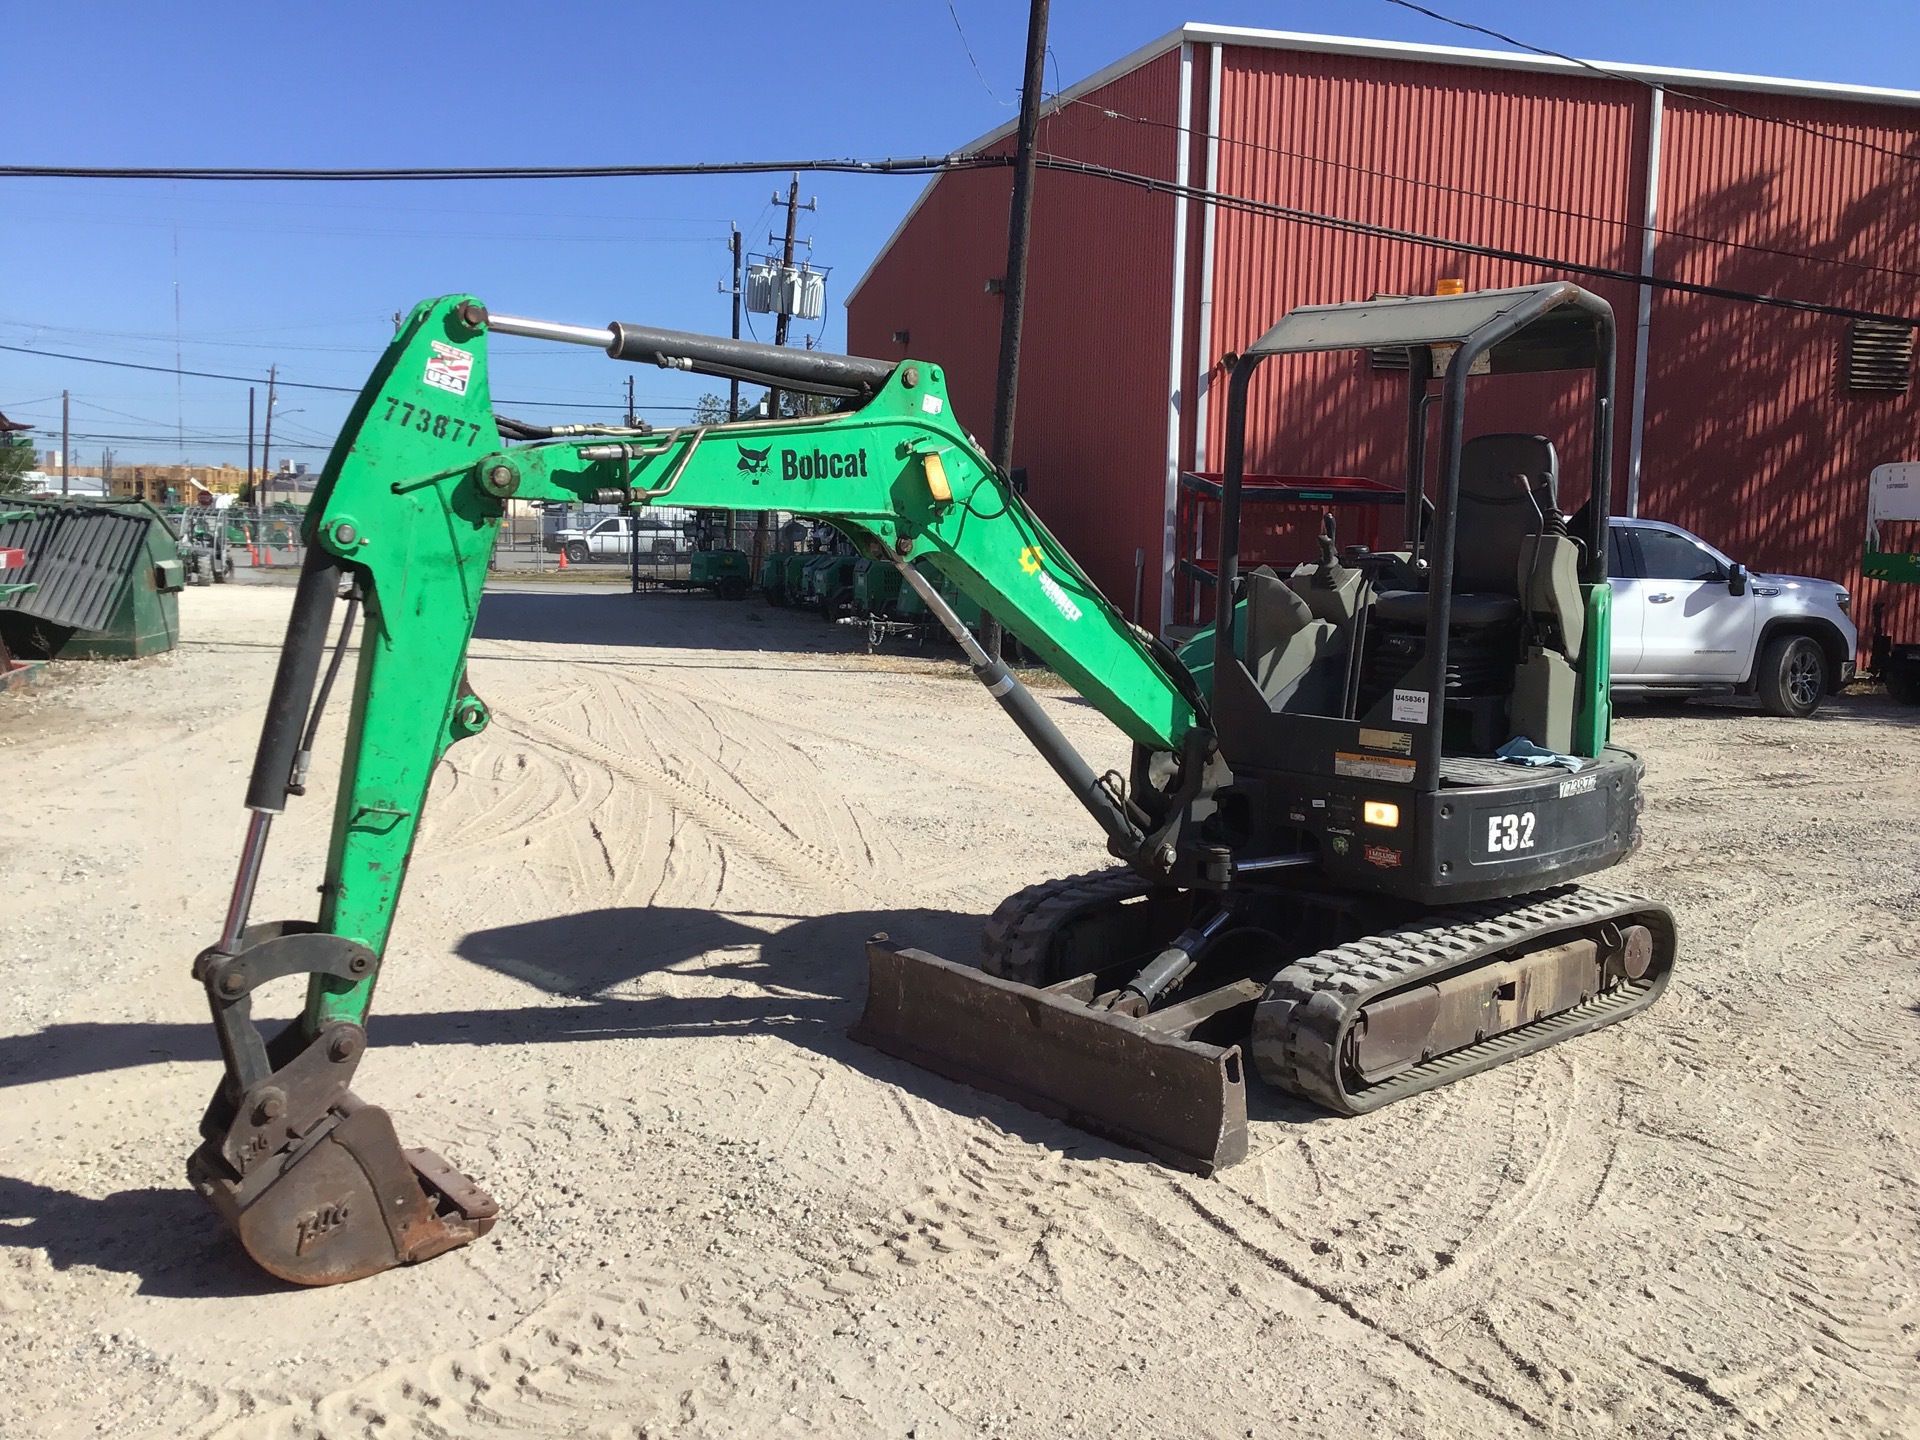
x: 291, y: 484
x: 39, y: 482
x: 177, y: 483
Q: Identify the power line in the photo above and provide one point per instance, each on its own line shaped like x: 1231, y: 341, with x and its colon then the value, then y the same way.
x: 297, y: 384
x: 1535, y: 205
x: 890, y: 165
x: 1155, y: 185
x: 175, y: 370
x: 978, y: 72
x: 1625, y: 78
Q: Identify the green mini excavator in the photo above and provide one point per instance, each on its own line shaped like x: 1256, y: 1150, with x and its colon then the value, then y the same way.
x: 1344, y: 848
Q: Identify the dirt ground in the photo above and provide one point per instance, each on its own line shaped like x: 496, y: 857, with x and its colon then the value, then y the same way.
x: 618, y: 995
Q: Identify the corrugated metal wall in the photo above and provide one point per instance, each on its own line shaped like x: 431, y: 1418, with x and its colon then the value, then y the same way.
x: 1504, y: 158
x: 1092, y: 418
x: 1752, y: 439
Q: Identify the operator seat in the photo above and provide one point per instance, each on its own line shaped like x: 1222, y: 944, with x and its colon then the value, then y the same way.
x: 1517, y: 619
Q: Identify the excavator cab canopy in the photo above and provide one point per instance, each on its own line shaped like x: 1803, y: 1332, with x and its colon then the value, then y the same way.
x: 1484, y: 622
x: 1558, y: 329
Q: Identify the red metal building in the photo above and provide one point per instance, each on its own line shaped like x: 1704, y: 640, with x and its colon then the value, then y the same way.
x: 1748, y: 424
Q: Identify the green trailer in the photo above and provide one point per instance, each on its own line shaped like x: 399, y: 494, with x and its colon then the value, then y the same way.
x: 783, y: 577
x: 830, y: 585
x: 725, y: 572
x: 876, y: 589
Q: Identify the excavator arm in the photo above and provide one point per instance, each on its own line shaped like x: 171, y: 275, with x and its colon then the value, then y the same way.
x: 402, y: 526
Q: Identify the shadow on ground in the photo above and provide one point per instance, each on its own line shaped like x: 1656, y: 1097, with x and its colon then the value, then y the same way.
x: 805, y: 983
x: 166, y: 1237
x: 1869, y: 708
x: 609, y: 616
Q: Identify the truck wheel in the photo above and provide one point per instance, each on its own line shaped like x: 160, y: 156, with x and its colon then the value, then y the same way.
x: 731, y: 587
x: 1903, y: 680
x: 578, y: 553
x: 1793, y: 676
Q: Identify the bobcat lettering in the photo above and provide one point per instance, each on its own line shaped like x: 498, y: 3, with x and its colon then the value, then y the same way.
x: 817, y: 465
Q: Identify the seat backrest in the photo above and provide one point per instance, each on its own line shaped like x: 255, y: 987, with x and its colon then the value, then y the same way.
x: 1284, y: 644
x: 1549, y: 583
x: 1507, y: 483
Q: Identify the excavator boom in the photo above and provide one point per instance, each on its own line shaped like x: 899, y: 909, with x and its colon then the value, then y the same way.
x: 402, y: 525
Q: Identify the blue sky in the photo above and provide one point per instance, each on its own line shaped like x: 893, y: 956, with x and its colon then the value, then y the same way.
x: 232, y: 278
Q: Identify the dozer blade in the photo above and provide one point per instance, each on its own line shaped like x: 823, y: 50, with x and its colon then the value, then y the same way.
x: 345, y: 1202
x: 1182, y: 1102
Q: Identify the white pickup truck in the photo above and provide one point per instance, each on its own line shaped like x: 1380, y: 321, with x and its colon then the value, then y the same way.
x: 665, y: 534
x: 1687, y: 620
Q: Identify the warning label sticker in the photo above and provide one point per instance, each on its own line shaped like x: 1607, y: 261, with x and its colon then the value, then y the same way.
x: 1398, y: 741
x: 1373, y: 767
x: 449, y: 368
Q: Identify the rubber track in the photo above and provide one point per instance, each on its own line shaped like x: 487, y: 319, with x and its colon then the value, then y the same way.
x: 1013, y: 944
x: 1300, y: 1025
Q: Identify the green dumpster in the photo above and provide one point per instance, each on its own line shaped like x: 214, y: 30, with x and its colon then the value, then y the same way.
x: 104, y: 578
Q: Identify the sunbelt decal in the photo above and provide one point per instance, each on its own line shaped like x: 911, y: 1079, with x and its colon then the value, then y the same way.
x: 1030, y: 559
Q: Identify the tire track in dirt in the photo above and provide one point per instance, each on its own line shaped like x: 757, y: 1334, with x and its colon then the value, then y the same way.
x: 1213, y: 1206
x: 797, y: 860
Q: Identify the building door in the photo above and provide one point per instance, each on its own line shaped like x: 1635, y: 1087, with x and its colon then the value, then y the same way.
x: 1692, y: 627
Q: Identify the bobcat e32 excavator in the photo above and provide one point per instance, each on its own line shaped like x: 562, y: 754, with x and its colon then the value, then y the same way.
x: 1319, y: 849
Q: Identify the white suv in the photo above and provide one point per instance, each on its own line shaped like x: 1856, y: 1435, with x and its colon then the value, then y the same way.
x: 1687, y: 620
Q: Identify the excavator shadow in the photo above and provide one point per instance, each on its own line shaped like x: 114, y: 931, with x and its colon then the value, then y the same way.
x: 605, y: 615
x: 160, y: 1235
x: 804, y: 981
x: 801, y: 978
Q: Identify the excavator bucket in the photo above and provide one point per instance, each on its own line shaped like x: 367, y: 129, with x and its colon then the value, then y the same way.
x: 1183, y: 1102
x: 309, y: 1176
x: 346, y: 1205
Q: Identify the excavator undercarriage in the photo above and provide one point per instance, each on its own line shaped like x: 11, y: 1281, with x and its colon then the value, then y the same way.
x: 1326, y: 867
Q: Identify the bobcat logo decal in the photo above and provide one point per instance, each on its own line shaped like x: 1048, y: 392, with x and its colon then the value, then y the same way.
x: 753, y: 462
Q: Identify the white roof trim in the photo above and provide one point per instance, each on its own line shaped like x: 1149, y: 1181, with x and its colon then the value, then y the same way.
x: 1193, y: 34
x: 1520, y: 60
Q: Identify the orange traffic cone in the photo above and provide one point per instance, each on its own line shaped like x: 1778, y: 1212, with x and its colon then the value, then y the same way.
x: 563, y: 559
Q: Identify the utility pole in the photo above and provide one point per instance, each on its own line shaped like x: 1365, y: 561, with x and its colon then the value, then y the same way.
x: 629, y: 402
x: 266, y: 439
x: 1014, y: 288
x: 794, y: 207
x: 65, y: 444
x: 250, y: 482
x: 733, y: 386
